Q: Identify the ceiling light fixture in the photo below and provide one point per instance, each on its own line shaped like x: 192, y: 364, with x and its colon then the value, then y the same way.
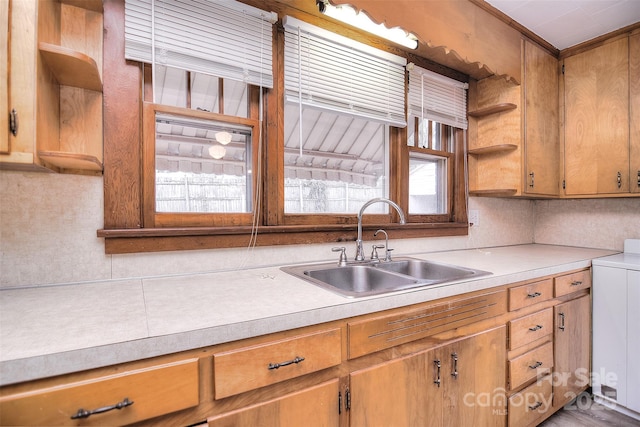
x: 348, y: 15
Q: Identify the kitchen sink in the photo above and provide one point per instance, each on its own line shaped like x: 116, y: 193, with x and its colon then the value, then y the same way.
x: 373, y: 278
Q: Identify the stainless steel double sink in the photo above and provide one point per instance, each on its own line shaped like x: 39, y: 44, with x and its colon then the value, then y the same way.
x: 373, y: 278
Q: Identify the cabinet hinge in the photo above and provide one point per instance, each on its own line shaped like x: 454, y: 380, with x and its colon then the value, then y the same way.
x: 339, y: 403
x: 564, y: 184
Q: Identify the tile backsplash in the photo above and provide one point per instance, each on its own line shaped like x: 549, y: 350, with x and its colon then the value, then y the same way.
x: 48, y: 226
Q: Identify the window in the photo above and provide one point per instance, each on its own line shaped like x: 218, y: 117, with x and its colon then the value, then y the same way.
x: 303, y: 154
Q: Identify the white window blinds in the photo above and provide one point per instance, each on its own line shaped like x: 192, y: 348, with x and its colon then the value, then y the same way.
x: 436, y: 97
x: 224, y: 38
x: 327, y: 71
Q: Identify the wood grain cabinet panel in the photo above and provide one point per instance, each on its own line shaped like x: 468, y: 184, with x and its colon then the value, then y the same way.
x: 569, y: 283
x: 530, y: 294
x: 634, y: 113
x: 249, y: 368
x: 530, y: 328
x: 596, y: 128
x: 530, y: 365
x: 153, y: 391
x: 530, y: 404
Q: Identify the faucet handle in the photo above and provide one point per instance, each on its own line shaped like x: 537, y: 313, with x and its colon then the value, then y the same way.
x: 374, y: 252
x: 387, y: 255
x: 343, y: 255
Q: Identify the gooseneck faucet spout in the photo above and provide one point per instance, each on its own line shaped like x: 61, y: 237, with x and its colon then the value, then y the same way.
x: 359, y: 249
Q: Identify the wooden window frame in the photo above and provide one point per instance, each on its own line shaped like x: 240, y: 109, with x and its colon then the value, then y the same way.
x: 130, y: 226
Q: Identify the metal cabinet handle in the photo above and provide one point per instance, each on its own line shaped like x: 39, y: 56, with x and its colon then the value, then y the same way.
x: 536, y: 406
x: 13, y: 124
x: 83, y: 413
x: 296, y: 360
x: 438, y: 366
x: 531, y: 175
x: 535, y: 365
x: 534, y: 295
x: 619, y: 180
x: 535, y: 328
x: 454, y: 359
x: 576, y: 283
x: 561, y: 326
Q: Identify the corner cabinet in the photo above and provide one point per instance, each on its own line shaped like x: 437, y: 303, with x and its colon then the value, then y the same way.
x: 54, y: 86
x: 513, y: 130
x: 601, y: 143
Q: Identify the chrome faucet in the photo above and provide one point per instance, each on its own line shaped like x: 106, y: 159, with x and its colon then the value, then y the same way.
x: 359, y: 249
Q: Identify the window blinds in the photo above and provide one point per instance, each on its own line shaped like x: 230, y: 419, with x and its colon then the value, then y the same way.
x: 436, y: 97
x: 327, y: 71
x: 226, y: 38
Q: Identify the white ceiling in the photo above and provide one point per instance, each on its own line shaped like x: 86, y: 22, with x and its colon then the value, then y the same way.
x: 565, y: 23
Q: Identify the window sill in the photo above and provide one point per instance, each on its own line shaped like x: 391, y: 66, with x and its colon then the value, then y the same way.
x: 122, y: 241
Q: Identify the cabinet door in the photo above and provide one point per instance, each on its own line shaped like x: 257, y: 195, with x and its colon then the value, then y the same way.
x: 596, y: 158
x: 541, y: 121
x: 4, y: 76
x: 634, y: 99
x: 402, y: 392
x: 474, y: 380
x: 571, y: 349
x: 315, y: 405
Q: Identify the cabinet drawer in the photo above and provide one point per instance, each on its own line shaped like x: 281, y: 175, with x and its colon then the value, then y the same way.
x: 572, y: 282
x: 530, y: 328
x: 530, y: 294
x: 248, y: 368
x: 530, y: 404
x: 154, y: 391
x: 379, y: 333
x: 530, y: 365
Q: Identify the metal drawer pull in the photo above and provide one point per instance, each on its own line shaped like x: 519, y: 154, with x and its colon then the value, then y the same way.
x: 437, y: 380
x: 536, y: 365
x: 535, y: 328
x: 289, y: 362
x: 534, y: 295
x: 576, y: 283
x: 561, y: 326
x: 454, y: 374
x: 83, y: 413
x: 536, y: 406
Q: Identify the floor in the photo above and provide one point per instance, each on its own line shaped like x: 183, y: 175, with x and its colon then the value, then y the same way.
x: 589, y: 414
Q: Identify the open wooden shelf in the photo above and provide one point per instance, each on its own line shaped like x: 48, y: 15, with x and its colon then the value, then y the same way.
x: 498, y: 192
x: 66, y: 160
x: 501, y: 148
x: 493, y: 109
x: 71, y: 68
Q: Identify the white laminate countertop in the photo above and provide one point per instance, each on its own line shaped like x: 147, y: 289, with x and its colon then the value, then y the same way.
x: 54, y: 330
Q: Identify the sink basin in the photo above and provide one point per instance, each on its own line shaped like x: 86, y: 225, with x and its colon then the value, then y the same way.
x: 429, y: 270
x: 373, y: 278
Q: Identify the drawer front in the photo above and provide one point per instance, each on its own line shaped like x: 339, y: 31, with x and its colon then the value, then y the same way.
x: 532, y: 364
x: 572, y: 282
x: 154, y: 391
x: 379, y: 333
x: 249, y: 368
x: 530, y: 294
x: 530, y: 328
x: 530, y: 404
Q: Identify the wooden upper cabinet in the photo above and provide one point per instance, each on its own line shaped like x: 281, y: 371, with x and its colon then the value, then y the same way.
x: 513, y: 130
x: 541, y: 132
x: 634, y: 99
x: 596, y: 97
x: 53, y: 82
x: 4, y: 76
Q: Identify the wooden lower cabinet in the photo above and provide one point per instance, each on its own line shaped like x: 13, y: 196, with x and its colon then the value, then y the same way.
x: 461, y: 383
x: 316, y: 406
x: 572, y: 349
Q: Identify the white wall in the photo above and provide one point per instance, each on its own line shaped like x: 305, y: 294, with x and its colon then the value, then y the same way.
x: 48, y: 226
